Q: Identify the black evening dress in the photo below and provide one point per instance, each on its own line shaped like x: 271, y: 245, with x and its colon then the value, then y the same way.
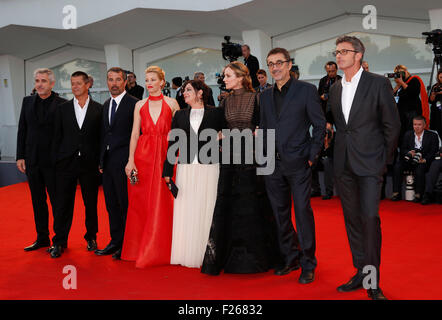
x: 243, y: 233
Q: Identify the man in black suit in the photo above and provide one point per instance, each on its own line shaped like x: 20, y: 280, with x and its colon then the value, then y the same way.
x: 252, y: 63
x: 177, y: 82
x: 262, y: 79
x: 415, y: 141
x: 132, y: 87
x: 367, y: 129
x: 201, y: 77
x: 77, y: 152
x: 34, y: 146
x: 324, y: 86
x: 290, y: 108
x: 117, y: 121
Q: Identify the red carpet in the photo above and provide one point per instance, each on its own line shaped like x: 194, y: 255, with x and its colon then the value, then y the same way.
x: 410, y: 269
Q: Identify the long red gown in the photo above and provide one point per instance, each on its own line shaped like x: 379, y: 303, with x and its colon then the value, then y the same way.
x: 148, y: 234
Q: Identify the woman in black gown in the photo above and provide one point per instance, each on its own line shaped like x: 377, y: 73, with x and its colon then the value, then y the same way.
x: 242, y: 236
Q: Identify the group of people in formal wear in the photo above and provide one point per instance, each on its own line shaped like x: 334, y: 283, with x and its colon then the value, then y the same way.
x: 223, y: 216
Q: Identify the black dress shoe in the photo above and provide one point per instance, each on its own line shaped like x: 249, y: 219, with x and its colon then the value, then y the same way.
x: 117, y: 255
x: 376, y: 294
x: 327, y: 197
x: 64, y: 246
x: 355, y: 283
x: 427, y: 198
x: 396, y: 197
x: 56, y: 251
x: 315, y: 194
x: 287, y: 269
x: 37, y: 245
x: 91, y: 245
x: 306, y: 276
x: 110, y: 249
x: 417, y: 199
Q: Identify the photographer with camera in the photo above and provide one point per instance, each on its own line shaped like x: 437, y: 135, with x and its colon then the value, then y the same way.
x: 177, y: 82
x: 416, y: 154
x: 251, y: 63
x: 411, y: 98
x: 326, y: 161
x: 436, y: 105
x: 326, y: 82
x: 431, y: 178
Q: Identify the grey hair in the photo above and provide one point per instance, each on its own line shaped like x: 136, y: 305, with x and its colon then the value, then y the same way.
x: 355, y: 42
x: 47, y: 71
x: 197, y: 74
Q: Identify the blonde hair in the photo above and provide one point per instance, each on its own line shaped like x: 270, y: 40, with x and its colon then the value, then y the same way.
x: 400, y: 67
x: 47, y: 71
x: 241, y: 70
x: 160, y: 73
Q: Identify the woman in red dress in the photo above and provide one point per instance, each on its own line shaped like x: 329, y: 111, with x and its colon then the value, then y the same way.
x: 148, y: 234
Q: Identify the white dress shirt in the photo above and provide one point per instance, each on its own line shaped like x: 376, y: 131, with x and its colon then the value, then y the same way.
x: 80, y: 113
x: 418, y: 140
x: 196, y: 117
x: 348, y: 93
x: 117, y: 100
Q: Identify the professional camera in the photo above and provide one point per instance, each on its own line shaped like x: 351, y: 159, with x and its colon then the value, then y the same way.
x: 231, y: 51
x: 413, y: 159
x: 166, y: 89
x: 396, y: 75
x: 437, y: 89
x: 435, y: 38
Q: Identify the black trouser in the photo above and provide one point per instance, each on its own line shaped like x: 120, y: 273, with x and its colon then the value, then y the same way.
x: 327, y: 164
x: 40, y: 180
x: 69, y: 172
x: 419, y: 171
x: 432, y: 175
x: 281, y: 188
x: 360, y: 197
x: 116, y: 198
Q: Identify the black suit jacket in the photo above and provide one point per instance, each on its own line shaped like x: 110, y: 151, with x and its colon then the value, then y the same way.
x: 370, y: 137
x: 430, y: 145
x: 301, y: 109
x: 116, y: 138
x: 35, y: 137
x: 70, y: 140
x: 324, y: 87
x: 253, y: 64
x: 137, y: 91
x: 213, y: 118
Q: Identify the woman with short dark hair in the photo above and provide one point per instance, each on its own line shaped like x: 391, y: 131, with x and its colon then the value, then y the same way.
x: 196, y: 177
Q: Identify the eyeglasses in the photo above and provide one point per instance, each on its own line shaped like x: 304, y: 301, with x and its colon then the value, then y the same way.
x: 343, y: 52
x: 277, y: 64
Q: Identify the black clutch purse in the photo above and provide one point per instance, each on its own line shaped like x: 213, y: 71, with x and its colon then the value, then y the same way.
x: 173, y: 188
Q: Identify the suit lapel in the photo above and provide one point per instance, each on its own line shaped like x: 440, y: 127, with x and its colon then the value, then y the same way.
x: 338, y: 111
x: 360, y: 93
x: 33, y: 109
x: 203, y: 122
x: 89, y: 113
x: 106, y: 113
x: 73, y: 116
x: 187, y: 126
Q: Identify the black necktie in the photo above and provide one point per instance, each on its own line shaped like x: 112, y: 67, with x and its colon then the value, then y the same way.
x: 114, y: 108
